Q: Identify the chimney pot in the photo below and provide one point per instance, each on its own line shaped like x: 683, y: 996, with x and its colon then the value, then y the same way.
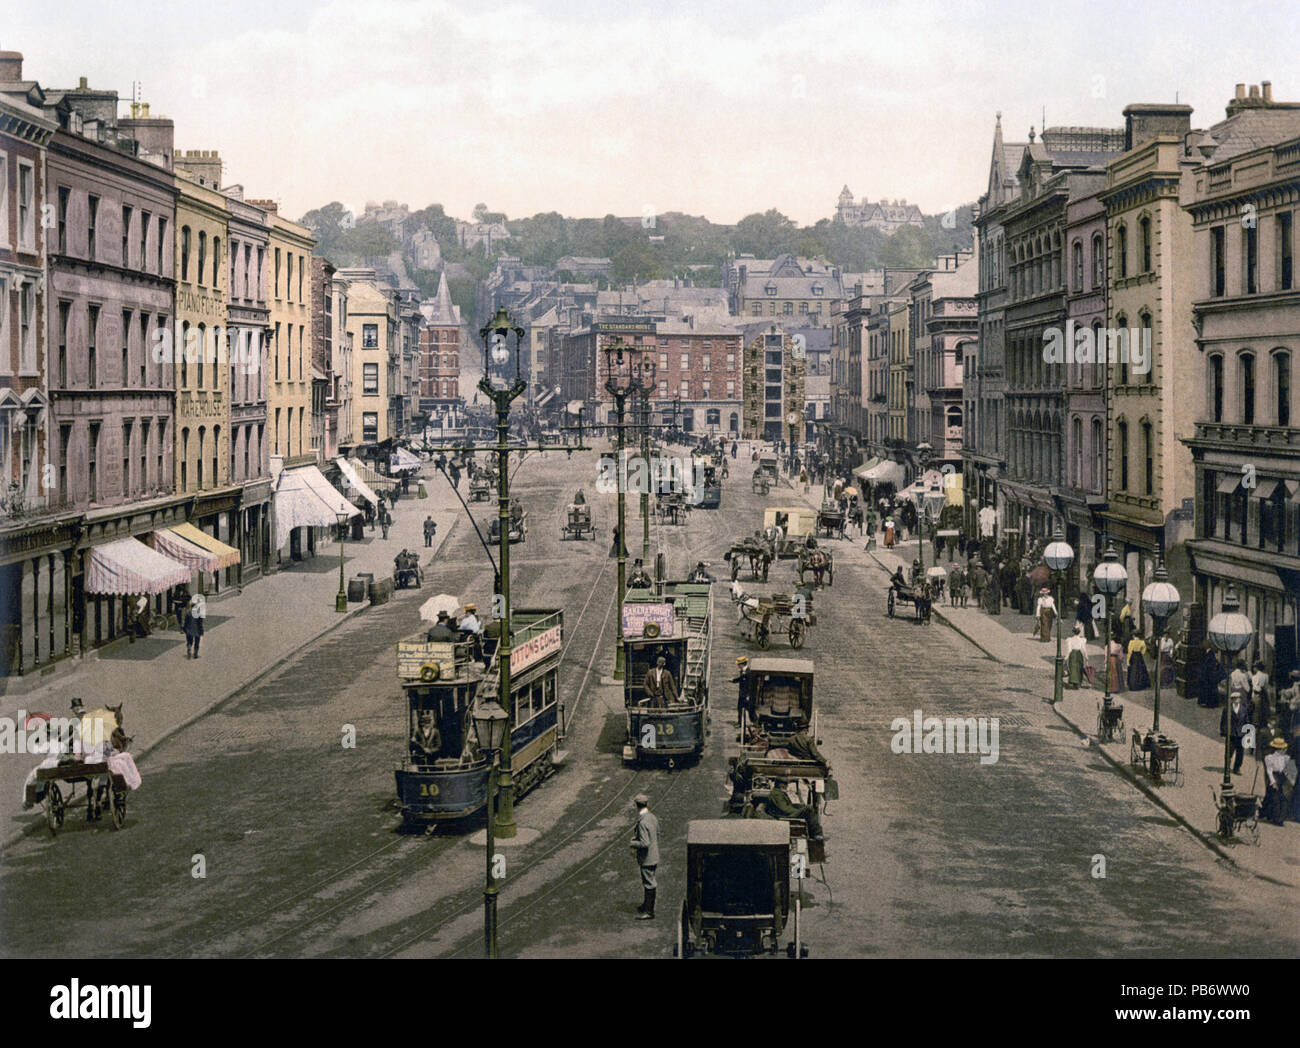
x: 1241, y: 90
x: 11, y: 66
x: 1254, y: 90
x: 82, y: 83
x: 1267, y: 88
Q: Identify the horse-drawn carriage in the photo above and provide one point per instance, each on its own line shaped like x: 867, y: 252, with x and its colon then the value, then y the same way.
x: 830, y: 520
x: 480, y: 488
x: 918, y: 595
x: 757, y: 550
x: 102, y: 765
x: 671, y: 507
x: 738, y: 890
x: 517, y: 529
x: 761, y: 617
x: 578, y: 522
x: 789, y: 527
x: 407, y: 571
x: 760, y: 483
x: 819, y: 561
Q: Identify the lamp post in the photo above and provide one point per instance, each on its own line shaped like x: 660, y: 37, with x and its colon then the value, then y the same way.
x: 622, y: 380
x: 1111, y: 578
x: 924, y: 456
x: 792, y: 420
x: 496, y: 354
x: 1059, y: 555
x: 1161, y: 599
x: 341, y: 600
x: 1230, y: 631
x: 490, y: 723
x: 648, y: 377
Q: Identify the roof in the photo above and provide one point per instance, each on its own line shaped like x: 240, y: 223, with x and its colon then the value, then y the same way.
x: 766, y: 832
x: 781, y: 666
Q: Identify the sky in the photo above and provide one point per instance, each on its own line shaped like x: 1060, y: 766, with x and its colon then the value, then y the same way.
x: 714, y: 108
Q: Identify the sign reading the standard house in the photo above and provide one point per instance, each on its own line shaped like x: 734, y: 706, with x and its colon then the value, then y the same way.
x: 635, y: 617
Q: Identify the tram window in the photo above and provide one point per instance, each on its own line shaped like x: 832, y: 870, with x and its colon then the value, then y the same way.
x: 548, y: 691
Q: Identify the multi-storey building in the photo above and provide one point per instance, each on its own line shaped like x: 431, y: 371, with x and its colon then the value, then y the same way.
x: 1067, y: 163
x: 440, y: 348
x: 341, y: 395
x: 324, y: 418
x: 900, y: 393
x: 984, y: 435
x: 1243, y: 196
x: 1084, y: 494
x: 888, y: 216
x: 248, y: 314
x: 372, y: 322
x: 774, y: 384
x: 944, y: 321
x: 788, y: 290
x: 1149, y: 294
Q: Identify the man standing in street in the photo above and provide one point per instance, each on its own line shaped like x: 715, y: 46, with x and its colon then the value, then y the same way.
x: 430, y: 529
x: 742, y: 692
x: 385, y: 519
x: 1234, y: 720
x: 645, y: 846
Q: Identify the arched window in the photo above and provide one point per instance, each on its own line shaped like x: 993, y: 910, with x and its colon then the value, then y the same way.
x: 181, y: 354
x: 1122, y: 432
x: 1121, y: 250
x: 185, y: 456
x: 1148, y: 459
x: 198, y: 462
x: 1121, y: 347
x: 216, y: 261
x: 1098, y: 456
x: 1098, y: 262
x: 1246, y: 373
x: 1056, y: 261
x: 1076, y: 443
x: 1282, y: 387
x: 203, y: 349
x: 216, y: 450
x: 1146, y: 348
x: 203, y: 254
x: 1214, y: 386
x: 1144, y: 237
x: 185, y: 252
x: 1076, y: 266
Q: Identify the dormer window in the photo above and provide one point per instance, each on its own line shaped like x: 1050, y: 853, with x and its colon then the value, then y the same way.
x: 770, y: 289
x: 817, y: 289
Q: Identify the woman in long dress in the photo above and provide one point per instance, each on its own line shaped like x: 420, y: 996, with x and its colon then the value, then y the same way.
x: 1077, y: 646
x: 1166, y: 661
x: 1115, y: 664
x: 1045, y: 610
x: 1138, y: 678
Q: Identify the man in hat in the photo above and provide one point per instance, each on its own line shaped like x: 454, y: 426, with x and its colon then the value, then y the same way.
x: 645, y: 846
x: 700, y: 573
x: 426, y: 743
x: 194, y: 627
x: 1234, y: 719
x: 639, y: 579
x: 660, y: 688
x: 742, y: 694
x: 441, y: 630
x: 430, y: 529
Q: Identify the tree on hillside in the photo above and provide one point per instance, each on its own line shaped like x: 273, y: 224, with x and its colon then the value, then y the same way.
x: 329, y: 225
x: 765, y: 236
x: 637, y: 260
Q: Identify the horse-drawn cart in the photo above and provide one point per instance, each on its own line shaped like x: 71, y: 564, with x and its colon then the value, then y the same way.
x: 578, y: 522
x: 757, y: 551
x: 105, y: 790
x: 760, y: 617
x: 821, y: 562
x: 919, y: 597
x: 480, y: 488
x: 407, y: 571
x: 671, y: 507
x: 830, y: 520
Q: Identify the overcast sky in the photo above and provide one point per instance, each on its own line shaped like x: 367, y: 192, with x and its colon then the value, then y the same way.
x: 713, y: 108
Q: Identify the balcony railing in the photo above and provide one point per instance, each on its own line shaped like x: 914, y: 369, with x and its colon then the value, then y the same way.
x: 1255, y: 436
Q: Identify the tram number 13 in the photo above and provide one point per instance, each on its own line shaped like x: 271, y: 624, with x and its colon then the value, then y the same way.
x: 428, y: 789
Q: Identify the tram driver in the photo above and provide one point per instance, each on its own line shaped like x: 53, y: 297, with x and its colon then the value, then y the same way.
x: 426, y: 742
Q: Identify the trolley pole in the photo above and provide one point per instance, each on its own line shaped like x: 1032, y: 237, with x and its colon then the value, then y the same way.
x: 505, y: 805
x: 645, y: 494
x: 621, y: 480
x: 624, y: 371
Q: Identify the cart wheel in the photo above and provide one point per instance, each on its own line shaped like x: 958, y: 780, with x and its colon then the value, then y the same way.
x: 118, y: 801
x: 796, y: 633
x: 53, y: 804
x: 1103, y: 733
x: 735, y: 569
x: 1225, y: 824
x: 890, y: 607
x: 763, y: 637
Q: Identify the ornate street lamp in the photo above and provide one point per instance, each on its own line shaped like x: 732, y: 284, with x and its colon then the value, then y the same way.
x: 622, y: 380
x: 792, y: 420
x: 1111, y: 578
x: 1161, y: 599
x: 924, y: 456
x: 490, y: 724
x: 1058, y: 556
x: 1230, y: 631
x: 341, y: 600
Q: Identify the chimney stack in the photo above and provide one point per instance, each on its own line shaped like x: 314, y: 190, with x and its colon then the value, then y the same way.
x: 1254, y: 91
x: 11, y: 66
x: 1241, y: 91
x: 83, y: 84
x: 1267, y: 88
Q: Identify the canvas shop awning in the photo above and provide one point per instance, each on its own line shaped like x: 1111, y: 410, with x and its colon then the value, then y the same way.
x: 354, y: 480
x: 129, y: 566
x: 403, y: 460
x: 190, y: 546
x: 886, y: 472
x: 305, y: 499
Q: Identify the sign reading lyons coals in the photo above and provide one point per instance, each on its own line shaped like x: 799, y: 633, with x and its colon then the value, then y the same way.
x: 637, y: 616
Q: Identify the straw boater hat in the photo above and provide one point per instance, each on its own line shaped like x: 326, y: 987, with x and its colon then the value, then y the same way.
x: 1046, y: 591
x: 471, y: 608
x: 1278, y: 744
x: 741, y: 660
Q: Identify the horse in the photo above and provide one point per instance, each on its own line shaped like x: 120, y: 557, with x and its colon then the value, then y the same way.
x: 818, y: 561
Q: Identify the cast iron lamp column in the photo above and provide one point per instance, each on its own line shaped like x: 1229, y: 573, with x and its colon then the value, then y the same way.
x: 1059, y: 555
x: 622, y: 380
x: 490, y: 723
x: 924, y: 456
x: 648, y: 369
x: 1230, y: 631
x: 1160, y: 598
x: 341, y: 600
x: 1111, y: 578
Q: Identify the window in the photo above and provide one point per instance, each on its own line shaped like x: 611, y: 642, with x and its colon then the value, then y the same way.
x: 1148, y: 456
x: 1247, y: 372
x: 731, y: 361
x: 144, y: 353
x: 248, y: 269
x: 65, y: 312
x: 126, y: 237
x: 663, y: 388
x: 92, y: 462
x: 787, y: 308
x: 261, y: 253
x: 65, y: 441
x: 202, y: 340
x: 185, y: 252
x: 288, y: 353
x: 1216, y: 388
x: 277, y: 278
x: 163, y: 439
x: 126, y: 347
x: 26, y: 206
x: 144, y: 453
x: 1098, y: 456
x: 803, y: 307
x: 144, y: 242
x: 1122, y: 429
x: 216, y: 261
x: 302, y: 284
x: 1282, y: 387
x: 126, y: 458
x: 370, y: 379
x: 62, y: 218
x: 1076, y: 265
x: 92, y: 338
x: 707, y: 389
x: 185, y: 353
x: 1121, y: 347
x: 757, y: 309
x: 1251, y: 249
x: 92, y: 223
x: 1076, y: 438
x: 369, y: 336
x: 685, y: 361
x: 26, y: 328
x: 1284, y: 251
x: 1098, y: 263
x: 731, y: 388
x: 769, y: 290
x: 1217, y: 267
x: 216, y: 454
x: 1144, y: 234
x: 706, y: 362
x: 203, y: 256
x: 198, y: 460
x: 685, y: 391
x: 1147, y: 348
x: 162, y: 239
x: 369, y: 425
x: 1121, y: 251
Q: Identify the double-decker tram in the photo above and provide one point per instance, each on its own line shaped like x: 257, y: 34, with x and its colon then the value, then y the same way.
x: 445, y: 776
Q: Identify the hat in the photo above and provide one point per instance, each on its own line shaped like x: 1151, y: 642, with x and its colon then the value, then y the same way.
x: 641, y: 799
x: 77, y: 704
x: 741, y: 660
x: 442, y: 616
x: 660, y: 659
x: 1237, y: 693
x: 1045, y: 590
x: 1279, y: 743
x: 471, y: 607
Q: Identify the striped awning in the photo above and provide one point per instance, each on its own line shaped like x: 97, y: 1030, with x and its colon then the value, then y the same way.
x: 377, y: 481
x: 189, y: 545
x: 355, y: 482
x: 129, y: 566
x: 305, y: 499
x: 404, y: 460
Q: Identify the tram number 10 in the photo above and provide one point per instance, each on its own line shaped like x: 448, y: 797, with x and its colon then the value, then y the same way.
x: 428, y: 789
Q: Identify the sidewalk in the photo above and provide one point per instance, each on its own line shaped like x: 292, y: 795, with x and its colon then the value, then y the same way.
x: 1006, y: 639
x: 247, y: 635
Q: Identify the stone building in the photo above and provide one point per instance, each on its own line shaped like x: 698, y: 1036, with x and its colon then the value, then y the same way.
x: 372, y: 322
x: 888, y: 216
x: 788, y: 289
x: 324, y: 419
x: 440, y: 349
x: 1242, y: 195
x: 944, y: 321
x: 340, y: 403
x: 773, y: 384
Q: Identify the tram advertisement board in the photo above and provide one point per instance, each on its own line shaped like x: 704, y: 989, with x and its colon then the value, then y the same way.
x: 638, y: 614
x: 535, y: 649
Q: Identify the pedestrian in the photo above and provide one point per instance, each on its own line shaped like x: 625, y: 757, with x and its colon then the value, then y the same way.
x: 1115, y: 664
x: 455, y: 476
x: 430, y: 529
x: 645, y: 846
x: 1274, y: 808
x: 194, y: 628
x: 741, y: 679
x: 1076, y: 658
x: 1083, y: 615
x: 1259, y: 685
x: 1240, y: 679
x: 1166, y: 661
x: 1233, y: 721
x: 1138, y: 678
x: 385, y: 519
x: 180, y: 599
x: 978, y: 577
x: 889, y: 532
x: 1045, y: 612
x: 1210, y: 676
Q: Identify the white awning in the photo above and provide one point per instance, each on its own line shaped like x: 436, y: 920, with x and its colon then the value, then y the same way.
x: 866, y: 467
x: 305, y: 499
x: 377, y: 481
x: 404, y: 460
x: 886, y: 472
x: 355, y: 482
x: 129, y: 566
